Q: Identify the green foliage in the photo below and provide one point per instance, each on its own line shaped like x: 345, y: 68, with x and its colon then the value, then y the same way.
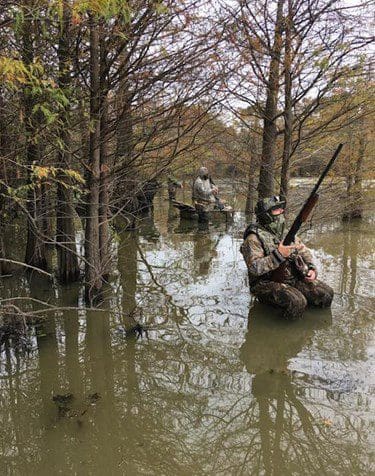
x: 68, y: 178
x: 49, y: 116
x: 19, y: 21
x: 40, y: 173
x: 13, y: 72
x: 161, y: 8
x: 105, y: 9
x: 322, y: 63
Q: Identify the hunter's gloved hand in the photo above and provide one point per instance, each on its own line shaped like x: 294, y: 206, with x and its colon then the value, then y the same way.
x: 311, y: 275
x: 286, y: 251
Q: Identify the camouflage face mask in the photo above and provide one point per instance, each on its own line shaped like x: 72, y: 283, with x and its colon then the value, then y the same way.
x: 277, y: 225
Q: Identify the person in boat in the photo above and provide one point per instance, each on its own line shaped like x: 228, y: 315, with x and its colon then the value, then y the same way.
x: 205, y: 193
x: 173, y: 186
x: 264, y: 252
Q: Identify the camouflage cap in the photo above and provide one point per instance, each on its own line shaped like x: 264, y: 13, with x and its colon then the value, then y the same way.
x: 264, y: 207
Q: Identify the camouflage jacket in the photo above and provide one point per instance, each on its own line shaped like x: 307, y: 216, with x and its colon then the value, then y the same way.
x: 261, y: 255
x: 203, y: 191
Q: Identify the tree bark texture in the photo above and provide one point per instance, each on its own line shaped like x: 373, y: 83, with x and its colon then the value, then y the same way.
x: 253, y: 151
x: 92, y: 246
x: 250, y: 198
x: 4, y: 266
x: 35, y: 247
x: 104, y: 237
x: 266, y: 176
x: 354, y: 207
x: 357, y: 195
x: 4, y: 203
x: 288, y: 113
x: 68, y: 268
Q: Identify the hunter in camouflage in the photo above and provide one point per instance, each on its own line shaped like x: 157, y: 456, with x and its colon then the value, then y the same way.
x: 264, y: 252
x: 173, y: 185
x: 204, y: 194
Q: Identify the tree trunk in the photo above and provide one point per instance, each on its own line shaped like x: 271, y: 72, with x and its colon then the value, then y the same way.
x: 82, y: 205
x: 354, y: 208
x: 4, y: 266
x: 123, y: 190
x: 266, y: 176
x: 288, y: 113
x: 68, y: 269
x: 92, y: 246
x: 253, y: 151
x: 127, y: 263
x: 4, y: 203
x: 250, y: 198
x: 357, y: 192
x: 105, y: 258
x: 35, y: 246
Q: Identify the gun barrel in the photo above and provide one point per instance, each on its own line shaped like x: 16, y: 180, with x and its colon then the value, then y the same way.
x: 327, y: 169
x: 310, y: 202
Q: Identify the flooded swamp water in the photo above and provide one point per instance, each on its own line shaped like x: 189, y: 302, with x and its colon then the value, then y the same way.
x: 220, y: 384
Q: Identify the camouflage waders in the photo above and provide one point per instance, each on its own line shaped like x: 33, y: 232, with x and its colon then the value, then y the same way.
x: 203, y: 210
x: 294, y: 298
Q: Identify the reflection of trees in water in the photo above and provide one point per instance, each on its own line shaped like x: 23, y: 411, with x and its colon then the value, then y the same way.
x: 128, y: 267
x: 160, y: 407
x: 347, y: 256
x: 12, y: 434
x: 175, y: 405
x: 148, y: 230
x: 138, y: 277
x: 286, y: 427
x: 349, y: 260
x: 352, y: 329
x: 274, y: 431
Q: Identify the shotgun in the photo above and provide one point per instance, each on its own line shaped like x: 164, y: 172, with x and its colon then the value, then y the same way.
x: 280, y: 273
x: 220, y: 205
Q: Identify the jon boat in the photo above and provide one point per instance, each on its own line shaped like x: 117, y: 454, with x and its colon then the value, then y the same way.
x: 188, y: 212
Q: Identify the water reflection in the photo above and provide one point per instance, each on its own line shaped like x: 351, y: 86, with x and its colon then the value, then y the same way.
x: 214, y: 389
x: 172, y: 217
x: 148, y: 229
x: 349, y: 260
x: 204, y: 252
x: 128, y: 268
x: 287, y: 428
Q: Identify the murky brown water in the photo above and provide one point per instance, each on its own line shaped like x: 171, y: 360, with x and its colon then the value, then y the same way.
x: 219, y: 386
